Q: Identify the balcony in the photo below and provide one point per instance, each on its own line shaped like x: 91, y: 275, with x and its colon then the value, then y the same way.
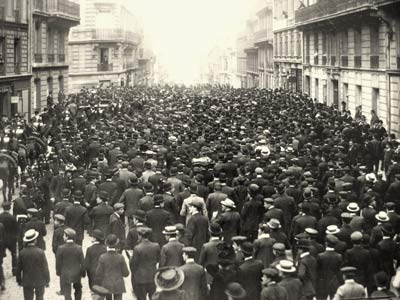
x: 345, y: 61
x: 357, y: 61
x: 61, y: 57
x: 50, y: 58
x: 316, y: 60
x: 104, y: 67
x: 374, y: 61
x: 115, y: 35
x: 333, y: 60
x: 65, y: 10
x: 263, y: 36
x: 326, y: 8
x: 130, y: 65
x: 324, y: 60
x: 17, y: 68
x: 38, y: 58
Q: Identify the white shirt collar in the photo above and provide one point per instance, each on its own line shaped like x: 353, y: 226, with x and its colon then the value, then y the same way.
x: 248, y: 258
x: 304, y: 254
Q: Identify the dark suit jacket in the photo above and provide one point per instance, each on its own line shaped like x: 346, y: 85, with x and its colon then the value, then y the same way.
x: 58, y: 238
x: 10, y: 228
x: 100, y: 216
x: 92, y: 256
x: 274, y: 291
x: 288, y: 206
x: 230, y: 224
x: 110, y: 272
x: 251, y: 215
x: 263, y: 250
x: 76, y: 217
x: 61, y: 206
x: 293, y: 287
x: 360, y: 258
x: 157, y: 218
x: 209, y: 253
x: 273, y: 213
x: 111, y: 188
x: 33, y: 270
x: 39, y: 226
x: 307, y: 272
x: 130, y: 198
x: 329, y: 264
x: 117, y: 227
x: 249, y: 276
x: 197, y: 232
x: 171, y: 254
x: 301, y: 222
x: 143, y: 263
x: 70, y: 263
x: 194, y: 285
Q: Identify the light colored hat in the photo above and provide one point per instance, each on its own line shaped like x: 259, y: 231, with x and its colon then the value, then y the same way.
x: 382, y: 216
x: 286, y: 266
x: 332, y: 229
x: 228, y: 203
x: 30, y: 235
x: 353, y: 207
x: 169, y: 278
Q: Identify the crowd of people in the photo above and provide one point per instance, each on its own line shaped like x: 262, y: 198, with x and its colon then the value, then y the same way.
x: 198, y: 193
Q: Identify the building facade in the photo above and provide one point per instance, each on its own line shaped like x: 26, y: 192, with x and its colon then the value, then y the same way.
x: 251, y: 53
x: 287, y: 46
x: 222, y: 66
x: 104, y: 47
x: 15, y: 72
x: 263, y: 39
x: 50, y: 25
x: 352, y: 55
x: 146, y: 73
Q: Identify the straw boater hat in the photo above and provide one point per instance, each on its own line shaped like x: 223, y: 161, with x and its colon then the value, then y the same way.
x: 30, y: 235
x: 228, y: 203
x: 286, y: 266
x: 169, y: 278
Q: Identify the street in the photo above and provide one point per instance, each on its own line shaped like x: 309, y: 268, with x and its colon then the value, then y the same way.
x: 15, y: 292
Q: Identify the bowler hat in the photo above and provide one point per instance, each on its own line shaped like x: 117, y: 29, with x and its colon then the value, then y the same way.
x: 247, y: 248
x: 215, y: 229
x: 235, y: 291
x: 98, y: 235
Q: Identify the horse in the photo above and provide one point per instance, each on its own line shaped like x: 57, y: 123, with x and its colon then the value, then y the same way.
x: 8, y: 172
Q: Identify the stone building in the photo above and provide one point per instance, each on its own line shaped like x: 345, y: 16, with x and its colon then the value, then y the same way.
x: 104, y: 47
x: 50, y: 25
x: 287, y: 46
x: 352, y: 55
x: 15, y: 73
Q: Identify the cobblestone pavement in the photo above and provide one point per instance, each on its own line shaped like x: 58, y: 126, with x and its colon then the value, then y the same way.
x: 14, y: 292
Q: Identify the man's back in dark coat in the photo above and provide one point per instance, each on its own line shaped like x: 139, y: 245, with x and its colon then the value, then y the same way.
x: 76, y: 217
x: 33, y: 270
x: 249, y: 276
x: 157, y: 218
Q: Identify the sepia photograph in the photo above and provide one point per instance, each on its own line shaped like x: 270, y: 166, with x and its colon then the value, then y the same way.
x: 199, y: 149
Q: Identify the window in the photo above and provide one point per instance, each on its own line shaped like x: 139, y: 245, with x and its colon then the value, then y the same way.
x: 50, y: 41
x: 104, y: 55
x: 49, y: 85
x: 346, y: 93
x: 324, y: 44
x: 61, y: 42
x: 357, y: 41
x: 315, y: 44
x: 358, y: 95
x: 61, y: 83
x: 307, y: 48
x: 375, y: 99
x: 316, y: 88
x: 374, y: 38
x: 333, y: 48
x: 38, y: 93
x: 2, y: 49
x: 298, y: 45
x: 344, y: 42
x: 17, y: 56
x: 38, y: 37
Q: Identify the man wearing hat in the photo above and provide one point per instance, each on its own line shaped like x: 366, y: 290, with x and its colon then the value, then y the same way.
x: 303, y: 220
x: 110, y: 187
x: 157, y: 218
x: 168, y: 281
x: 38, y: 225
x: 192, y: 199
x: 76, y: 217
x: 250, y: 272
x: 138, y: 220
x: 100, y: 214
x: 234, y: 291
x: 209, y: 251
x: 90, y: 189
x: 143, y: 264
x: 93, y: 253
x: 70, y: 266
x: 117, y: 225
x: 271, y: 212
x: 130, y: 197
x: 170, y: 203
x: 263, y: 245
x: 328, y: 268
x: 271, y: 289
x: 111, y: 270
x: 213, y: 203
x: 290, y: 282
x: 10, y: 233
x: 287, y: 205
x: 358, y: 257
x: 194, y: 285
x: 61, y: 206
x: 147, y: 201
x: 376, y: 232
x: 171, y: 252
x: 350, y: 289
x: 252, y: 213
x: 279, y: 251
x: 58, y: 234
x: 229, y: 219
x: 32, y: 272
x: 197, y: 227
x: 307, y: 268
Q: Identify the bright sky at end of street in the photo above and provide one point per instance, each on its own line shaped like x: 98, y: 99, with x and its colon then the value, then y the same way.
x: 181, y: 32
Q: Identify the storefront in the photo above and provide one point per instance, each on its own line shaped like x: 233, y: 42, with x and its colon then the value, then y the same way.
x: 15, y: 95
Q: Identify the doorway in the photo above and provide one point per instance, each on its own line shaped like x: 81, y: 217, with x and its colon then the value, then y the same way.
x: 335, y: 84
